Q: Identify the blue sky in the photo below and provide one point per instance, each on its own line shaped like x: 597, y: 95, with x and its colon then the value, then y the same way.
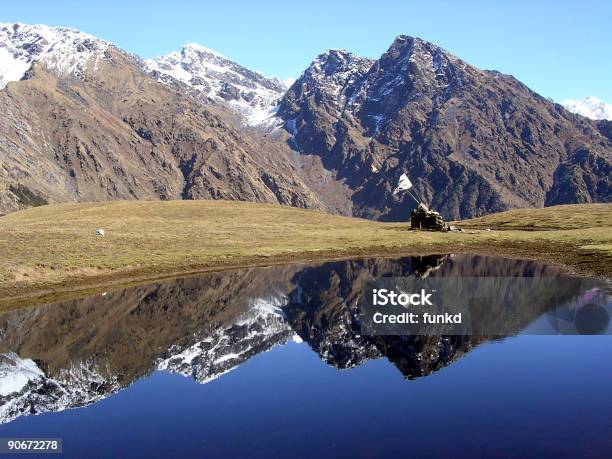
x: 561, y: 49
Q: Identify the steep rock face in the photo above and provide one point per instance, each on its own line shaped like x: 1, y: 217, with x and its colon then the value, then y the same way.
x: 582, y: 177
x: 317, y: 100
x: 102, y: 129
x: 472, y: 141
x: 253, y: 95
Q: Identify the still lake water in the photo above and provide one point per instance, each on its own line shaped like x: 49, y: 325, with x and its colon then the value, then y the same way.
x: 269, y: 362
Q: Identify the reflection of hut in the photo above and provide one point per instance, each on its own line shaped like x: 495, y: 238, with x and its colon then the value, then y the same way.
x: 423, y: 266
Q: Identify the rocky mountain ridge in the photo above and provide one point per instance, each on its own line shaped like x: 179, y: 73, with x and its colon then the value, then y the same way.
x: 473, y: 141
x: 82, y: 120
x: 65, y: 51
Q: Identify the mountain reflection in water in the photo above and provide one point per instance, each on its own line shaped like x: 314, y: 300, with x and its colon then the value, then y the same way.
x: 75, y: 353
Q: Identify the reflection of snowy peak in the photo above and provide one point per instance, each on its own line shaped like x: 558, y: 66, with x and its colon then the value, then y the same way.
x: 66, y: 51
x: 15, y: 373
x: 216, y: 353
x: 249, y: 93
x: 25, y: 389
x: 591, y: 107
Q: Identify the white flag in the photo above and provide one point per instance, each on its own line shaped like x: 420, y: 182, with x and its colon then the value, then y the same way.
x: 403, y: 184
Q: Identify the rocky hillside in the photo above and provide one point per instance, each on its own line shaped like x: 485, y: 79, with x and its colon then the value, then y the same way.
x: 86, y: 123
x: 472, y: 141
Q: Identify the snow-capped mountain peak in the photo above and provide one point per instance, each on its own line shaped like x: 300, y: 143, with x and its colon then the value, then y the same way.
x: 250, y: 93
x: 591, y: 107
x: 63, y: 50
x: 195, y: 47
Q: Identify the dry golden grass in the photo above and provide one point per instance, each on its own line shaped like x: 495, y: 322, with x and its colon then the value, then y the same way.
x: 52, y: 246
x: 551, y: 218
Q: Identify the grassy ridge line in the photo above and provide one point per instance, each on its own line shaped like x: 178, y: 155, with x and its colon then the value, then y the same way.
x: 55, y: 247
x: 564, y: 217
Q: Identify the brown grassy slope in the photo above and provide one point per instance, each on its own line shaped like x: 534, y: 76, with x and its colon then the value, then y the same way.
x: 55, y: 247
x: 117, y: 134
x: 551, y: 218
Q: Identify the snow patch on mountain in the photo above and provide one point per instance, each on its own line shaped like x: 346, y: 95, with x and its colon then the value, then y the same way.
x: 591, y: 107
x: 25, y: 389
x: 63, y: 50
x: 16, y: 372
x: 249, y: 93
x: 287, y: 82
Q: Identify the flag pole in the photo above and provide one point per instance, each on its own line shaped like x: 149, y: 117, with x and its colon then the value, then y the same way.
x: 418, y: 201
x: 421, y: 200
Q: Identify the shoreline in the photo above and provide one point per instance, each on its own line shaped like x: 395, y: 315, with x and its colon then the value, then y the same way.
x: 570, y: 259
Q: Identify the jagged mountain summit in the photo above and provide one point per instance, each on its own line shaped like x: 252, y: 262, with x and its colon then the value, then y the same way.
x: 335, y: 73
x: 251, y: 94
x: 591, y: 107
x: 473, y: 141
x: 63, y: 50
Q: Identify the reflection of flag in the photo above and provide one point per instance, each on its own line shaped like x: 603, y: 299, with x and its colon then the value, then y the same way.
x: 403, y: 184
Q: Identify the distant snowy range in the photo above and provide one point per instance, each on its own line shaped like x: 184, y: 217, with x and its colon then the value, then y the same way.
x: 591, y: 107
